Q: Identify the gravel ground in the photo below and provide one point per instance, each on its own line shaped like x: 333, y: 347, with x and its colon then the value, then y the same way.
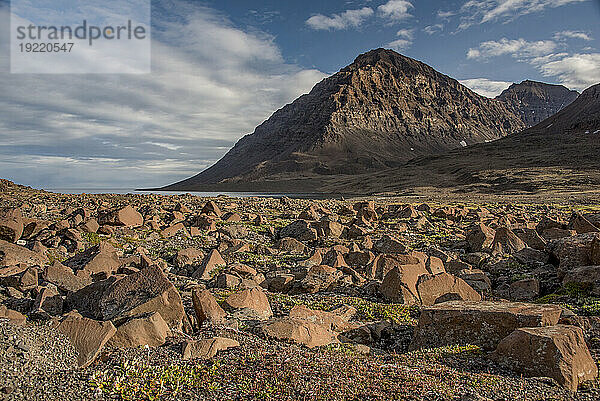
x: 38, y: 363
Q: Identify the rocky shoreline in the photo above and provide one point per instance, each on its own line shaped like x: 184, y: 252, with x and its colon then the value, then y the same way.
x: 181, y: 297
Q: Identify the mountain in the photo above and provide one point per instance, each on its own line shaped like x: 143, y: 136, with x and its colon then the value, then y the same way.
x: 536, y: 101
x: 559, y: 154
x: 379, y: 112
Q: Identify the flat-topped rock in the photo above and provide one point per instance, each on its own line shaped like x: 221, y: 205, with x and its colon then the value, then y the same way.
x: 559, y: 352
x: 483, y: 324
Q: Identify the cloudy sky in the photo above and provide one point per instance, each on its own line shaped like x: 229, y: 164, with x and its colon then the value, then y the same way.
x: 219, y: 68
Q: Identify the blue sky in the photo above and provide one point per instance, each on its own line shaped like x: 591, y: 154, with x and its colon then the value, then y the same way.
x: 222, y: 67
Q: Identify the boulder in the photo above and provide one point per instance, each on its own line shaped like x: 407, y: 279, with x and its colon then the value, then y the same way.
x: 531, y: 238
x: 400, y: 284
x: 525, y: 290
x: 445, y: 287
x: 291, y: 245
x: 483, y: 324
x: 309, y: 327
x: 559, y: 352
x: 388, y: 244
x: 139, y: 293
x: 64, y: 278
x: 149, y: 330
x: 99, y: 261
x: 12, y: 254
x: 319, y: 278
x: 125, y: 217
x: 207, y: 348
x: 211, y: 262
x: 253, y: 299
x: 207, y: 308
x: 211, y: 209
x: 577, y: 251
x: 188, y: 256
x: 480, y: 238
x: 24, y: 278
x: 587, y: 277
x: 11, y: 224
x: 12, y: 316
x: 49, y: 301
x: 87, y: 336
x: 506, y: 242
x: 300, y: 230
x: 172, y: 230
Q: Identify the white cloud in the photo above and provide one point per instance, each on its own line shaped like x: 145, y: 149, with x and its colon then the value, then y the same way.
x: 211, y: 84
x: 431, y: 29
x: 575, y: 71
x: 396, y: 10
x: 485, y: 87
x: 482, y: 11
x: 345, y: 20
x: 406, y: 39
x: 517, y: 48
x: 400, y: 45
x: 572, y: 35
x: 579, y: 71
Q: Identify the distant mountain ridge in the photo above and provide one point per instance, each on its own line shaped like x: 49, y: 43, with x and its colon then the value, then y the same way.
x: 536, y: 101
x: 379, y: 112
x: 559, y: 154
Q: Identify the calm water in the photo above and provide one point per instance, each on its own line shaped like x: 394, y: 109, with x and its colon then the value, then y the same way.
x: 124, y: 191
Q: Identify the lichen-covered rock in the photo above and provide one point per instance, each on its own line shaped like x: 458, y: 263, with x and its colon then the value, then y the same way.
x: 478, y: 323
x: 559, y: 352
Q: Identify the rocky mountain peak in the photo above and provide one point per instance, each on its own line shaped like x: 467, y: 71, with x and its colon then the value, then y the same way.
x: 380, y: 111
x: 537, y: 101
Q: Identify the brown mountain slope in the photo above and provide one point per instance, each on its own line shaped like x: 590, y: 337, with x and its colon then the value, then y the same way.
x: 536, y: 101
x: 561, y: 154
x: 379, y: 112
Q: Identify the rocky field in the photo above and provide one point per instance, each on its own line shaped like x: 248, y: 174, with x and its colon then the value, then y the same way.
x: 150, y: 297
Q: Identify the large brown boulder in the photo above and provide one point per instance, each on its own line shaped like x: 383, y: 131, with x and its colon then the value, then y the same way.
x: 99, y: 261
x: 188, y: 256
x: 207, y: 308
x: 11, y: 224
x: 506, y: 242
x: 139, y: 293
x: 87, y: 336
x: 318, y: 278
x: 21, y: 277
x: 253, y: 299
x: 445, y: 287
x: 478, y: 323
x: 309, y: 327
x: 576, y: 251
x: 12, y: 254
x: 149, y: 330
x: 125, y: 217
x: 400, y: 284
x: 211, y: 261
x: 582, y: 225
x: 64, y: 278
x: 480, y: 237
x: 207, y: 348
x: 559, y: 352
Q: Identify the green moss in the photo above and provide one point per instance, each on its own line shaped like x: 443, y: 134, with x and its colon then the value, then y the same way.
x: 365, y: 310
x: 92, y: 238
